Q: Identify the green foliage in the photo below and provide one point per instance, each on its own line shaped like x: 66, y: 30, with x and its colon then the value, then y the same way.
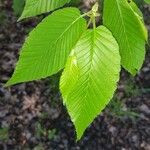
x: 131, y: 90
x: 40, y: 131
x: 119, y: 110
x: 91, y: 57
x: 127, y: 27
x: 37, y: 7
x: 139, y: 2
x: 75, y: 2
x: 46, y: 55
x: 18, y: 6
x: 147, y: 1
x: 51, y: 134
x: 3, y: 134
x: 39, y: 147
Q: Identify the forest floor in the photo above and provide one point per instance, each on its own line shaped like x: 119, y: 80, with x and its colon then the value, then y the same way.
x: 32, y: 115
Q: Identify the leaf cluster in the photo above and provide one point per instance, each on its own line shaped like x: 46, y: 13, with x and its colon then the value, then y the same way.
x: 91, y: 58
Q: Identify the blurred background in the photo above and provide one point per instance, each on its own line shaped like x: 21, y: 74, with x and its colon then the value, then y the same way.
x: 32, y: 115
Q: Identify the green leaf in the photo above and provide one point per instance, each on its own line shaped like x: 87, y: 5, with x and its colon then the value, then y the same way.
x: 37, y: 7
x: 90, y: 77
x: 125, y: 21
x: 147, y: 1
x: 136, y: 9
x: 75, y: 2
x: 70, y: 75
x: 46, y: 49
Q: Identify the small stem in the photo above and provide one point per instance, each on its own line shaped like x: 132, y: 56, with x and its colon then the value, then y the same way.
x: 85, y: 14
x: 89, y: 22
x: 94, y: 23
x: 93, y: 13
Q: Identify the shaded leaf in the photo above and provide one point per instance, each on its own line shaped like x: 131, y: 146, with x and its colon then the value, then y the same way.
x: 37, y: 7
x: 125, y: 21
x: 18, y: 6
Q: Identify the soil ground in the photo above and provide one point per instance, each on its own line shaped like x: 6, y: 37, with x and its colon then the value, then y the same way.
x: 32, y: 115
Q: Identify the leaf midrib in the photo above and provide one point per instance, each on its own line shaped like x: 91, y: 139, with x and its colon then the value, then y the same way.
x: 66, y: 30
x: 90, y: 67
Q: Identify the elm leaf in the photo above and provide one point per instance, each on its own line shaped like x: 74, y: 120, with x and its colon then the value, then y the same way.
x: 90, y: 77
x: 124, y: 20
x: 37, y: 7
x: 46, y: 49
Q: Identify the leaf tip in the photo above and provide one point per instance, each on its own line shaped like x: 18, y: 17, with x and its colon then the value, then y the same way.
x: 133, y: 72
x: 8, y: 83
x: 78, y: 136
x: 79, y: 132
x: 20, y: 18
